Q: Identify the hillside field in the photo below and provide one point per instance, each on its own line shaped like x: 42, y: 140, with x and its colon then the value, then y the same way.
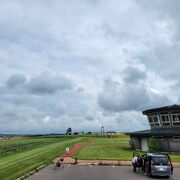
x: 21, y: 155
x: 18, y: 157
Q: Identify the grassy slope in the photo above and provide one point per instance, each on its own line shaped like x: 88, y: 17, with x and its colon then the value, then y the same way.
x: 12, y: 146
x: 17, y: 164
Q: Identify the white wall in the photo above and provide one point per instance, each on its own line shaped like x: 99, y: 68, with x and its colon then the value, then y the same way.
x: 144, y: 144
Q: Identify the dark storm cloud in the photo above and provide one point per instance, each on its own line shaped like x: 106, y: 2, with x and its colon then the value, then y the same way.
x: 46, y: 83
x: 15, y: 80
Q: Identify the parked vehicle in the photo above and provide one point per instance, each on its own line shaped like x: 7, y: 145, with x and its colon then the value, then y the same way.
x: 157, y: 164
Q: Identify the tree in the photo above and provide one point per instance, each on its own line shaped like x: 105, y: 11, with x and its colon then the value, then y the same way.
x: 69, y: 131
x: 153, y: 145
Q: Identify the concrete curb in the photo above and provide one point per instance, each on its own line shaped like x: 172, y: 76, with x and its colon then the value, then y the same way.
x: 32, y: 172
x: 100, y: 164
x: 69, y: 160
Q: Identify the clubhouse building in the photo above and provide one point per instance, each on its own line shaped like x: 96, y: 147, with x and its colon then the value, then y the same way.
x: 164, y: 126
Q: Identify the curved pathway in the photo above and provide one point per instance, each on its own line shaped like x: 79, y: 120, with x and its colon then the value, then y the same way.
x: 73, y: 150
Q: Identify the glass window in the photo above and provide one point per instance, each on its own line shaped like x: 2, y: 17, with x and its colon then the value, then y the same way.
x: 150, y: 120
x: 176, y: 123
x: 160, y: 160
x: 154, y: 121
x: 152, y: 124
x: 166, y: 124
x: 176, y: 137
x: 165, y: 118
x: 159, y: 137
x: 156, y: 124
x: 176, y: 117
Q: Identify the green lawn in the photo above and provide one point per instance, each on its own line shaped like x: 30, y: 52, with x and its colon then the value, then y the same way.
x: 19, y: 163
x: 12, y: 146
x: 175, y: 157
x: 105, y: 148
x: 112, y: 149
x: 20, y: 156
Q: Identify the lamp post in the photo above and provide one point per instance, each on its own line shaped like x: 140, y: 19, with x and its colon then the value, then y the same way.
x: 102, y: 131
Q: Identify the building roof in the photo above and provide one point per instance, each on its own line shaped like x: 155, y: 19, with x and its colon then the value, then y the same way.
x: 110, y: 132
x: 171, y: 131
x: 165, y: 108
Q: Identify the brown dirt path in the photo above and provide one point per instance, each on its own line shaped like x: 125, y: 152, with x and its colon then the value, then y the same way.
x: 77, y: 147
x: 73, y: 150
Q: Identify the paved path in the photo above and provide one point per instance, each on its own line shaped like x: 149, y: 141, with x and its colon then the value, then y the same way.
x: 89, y: 172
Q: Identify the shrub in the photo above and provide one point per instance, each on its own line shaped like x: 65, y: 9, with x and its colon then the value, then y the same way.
x: 153, y: 145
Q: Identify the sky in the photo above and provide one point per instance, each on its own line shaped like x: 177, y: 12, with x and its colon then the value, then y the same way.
x: 86, y: 63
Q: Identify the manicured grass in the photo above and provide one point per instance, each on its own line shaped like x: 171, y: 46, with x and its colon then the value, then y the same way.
x: 112, y: 149
x: 105, y: 148
x: 19, y: 163
x: 43, y: 150
x: 175, y: 157
x: 12, y: 146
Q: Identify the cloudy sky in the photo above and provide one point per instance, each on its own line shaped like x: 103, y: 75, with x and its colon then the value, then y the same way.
x: 86, y: 63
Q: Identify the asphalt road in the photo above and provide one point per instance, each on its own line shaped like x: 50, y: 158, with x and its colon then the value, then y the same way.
x: 89, y: 172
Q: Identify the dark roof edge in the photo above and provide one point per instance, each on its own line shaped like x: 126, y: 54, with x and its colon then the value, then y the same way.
x: 156, y: 132
x: 165, y: 108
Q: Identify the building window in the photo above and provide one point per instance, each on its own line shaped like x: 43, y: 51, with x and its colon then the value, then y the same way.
x: 176, y: 119
x: 159, y: 137
x: 176, y: 137
x: 165, y: 119
x: 150, y: 120
x: 154, y: 121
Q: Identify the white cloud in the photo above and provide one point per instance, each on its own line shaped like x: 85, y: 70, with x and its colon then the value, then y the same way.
x: 47, y: 83
x: 86, y: 64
